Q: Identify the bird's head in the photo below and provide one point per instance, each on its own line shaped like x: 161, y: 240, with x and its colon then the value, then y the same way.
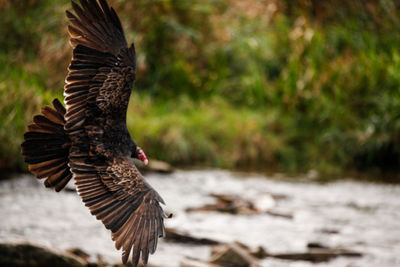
x: 140, y: 155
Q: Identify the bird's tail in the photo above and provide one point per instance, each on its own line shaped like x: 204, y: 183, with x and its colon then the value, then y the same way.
x: 46, y: 147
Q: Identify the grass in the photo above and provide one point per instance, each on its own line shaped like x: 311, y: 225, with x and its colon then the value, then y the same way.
x: 207, y: 133
x: 232, y: 84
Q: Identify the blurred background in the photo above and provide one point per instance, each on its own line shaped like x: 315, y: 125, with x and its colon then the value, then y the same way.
x: 301, y: 91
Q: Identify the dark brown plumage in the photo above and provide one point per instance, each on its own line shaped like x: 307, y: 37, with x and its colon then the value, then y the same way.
x: 90, y: 141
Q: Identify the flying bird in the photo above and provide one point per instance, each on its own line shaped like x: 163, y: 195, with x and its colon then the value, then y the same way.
x: 89, y: 140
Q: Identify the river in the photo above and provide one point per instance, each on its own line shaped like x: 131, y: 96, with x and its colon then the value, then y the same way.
x: 360, y: 216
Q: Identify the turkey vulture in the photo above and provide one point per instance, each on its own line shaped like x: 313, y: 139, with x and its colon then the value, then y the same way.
x: 89, y: 140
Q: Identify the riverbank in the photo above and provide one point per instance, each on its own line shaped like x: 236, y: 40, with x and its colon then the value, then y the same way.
x: 332, y: 215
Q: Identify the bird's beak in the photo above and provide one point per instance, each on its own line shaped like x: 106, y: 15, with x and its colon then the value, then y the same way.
x: 141, y: 156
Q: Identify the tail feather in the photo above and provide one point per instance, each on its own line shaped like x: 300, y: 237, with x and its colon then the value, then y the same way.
x: 46, y: 147
x: 52, y: 115
x: 43, y: 170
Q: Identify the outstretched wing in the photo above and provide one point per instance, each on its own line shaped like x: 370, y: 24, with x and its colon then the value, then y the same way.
x: 102, y: 70
x: 97, y: 91
x: 116, y: 194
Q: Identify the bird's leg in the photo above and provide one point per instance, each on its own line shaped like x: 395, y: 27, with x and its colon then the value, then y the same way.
x: 141, y: 155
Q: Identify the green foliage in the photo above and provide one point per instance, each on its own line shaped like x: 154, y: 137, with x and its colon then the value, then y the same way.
x: 22, y: 94
x: 288, y: 85
x: 210, y: 133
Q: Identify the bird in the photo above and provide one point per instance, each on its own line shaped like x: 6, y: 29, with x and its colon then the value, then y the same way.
x: 88, y: 139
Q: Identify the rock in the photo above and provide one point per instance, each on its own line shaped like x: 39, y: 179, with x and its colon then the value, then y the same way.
x: 179, y: 237
x: 234, y: 204
x: 228, y: 204
x: 318, y: 254
x: 31, y: 255
x: 237, y: 205
x: 79, y: 253
x: 259, y: 252
x: 232, y: 255
x: 312, y: 245
x: 101, y: 262
x: 155, y: 166
x: 188, y: 262
x: 329, y: 231
x: 278, y: 196
x: 280, y: 214
x: 235, y: 254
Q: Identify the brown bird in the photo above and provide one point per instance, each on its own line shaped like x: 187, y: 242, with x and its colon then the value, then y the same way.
x: 89, y: 140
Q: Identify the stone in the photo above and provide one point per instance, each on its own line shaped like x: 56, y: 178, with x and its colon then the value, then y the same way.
x: 318, y: 254
x: 312, y: 245
x: 280, y: 214
x: 237, y: 205
x: 329, y: 231
x: 232, y: 255
x: 179, y: 237
x: 188, y: 262
x: 19, y: 255
x: 228, y: 204
x: 79, y: 253
x: 259, y: 252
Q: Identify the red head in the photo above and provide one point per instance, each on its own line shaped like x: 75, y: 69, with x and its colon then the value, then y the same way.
x: 141, y: 156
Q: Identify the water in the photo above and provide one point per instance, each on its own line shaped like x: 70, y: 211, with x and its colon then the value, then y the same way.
x: 365, y: 217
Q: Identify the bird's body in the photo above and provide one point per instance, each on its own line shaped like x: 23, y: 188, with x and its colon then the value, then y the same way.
x: 89, y: 140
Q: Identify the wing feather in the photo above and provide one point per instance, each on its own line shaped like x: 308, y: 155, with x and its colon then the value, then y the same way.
x: 98, y: 87
x: 101, y: 63
x: 128, y: 206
